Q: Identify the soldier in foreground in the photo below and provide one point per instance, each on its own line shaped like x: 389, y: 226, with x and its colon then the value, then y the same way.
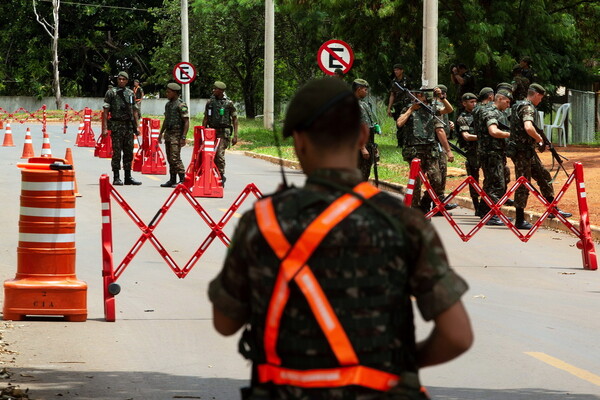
x: 349, y: 331
x: 220, y: 114
x: 524, y: 140
x: 123, y: 124
x: 174, y: 129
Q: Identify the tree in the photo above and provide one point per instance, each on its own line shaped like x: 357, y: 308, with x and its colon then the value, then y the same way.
x: 52, y: 30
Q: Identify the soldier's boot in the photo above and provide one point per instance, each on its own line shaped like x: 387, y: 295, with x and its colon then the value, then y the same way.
x: 520, y: 222
x: 171, y: 182
x: 116, y: 179
x: 129, y: 180
x: 475, y: 201
x: 181, y: 177
x: 563, y: 213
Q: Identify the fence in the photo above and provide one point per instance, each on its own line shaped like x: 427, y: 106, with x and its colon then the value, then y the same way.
x: 582, y: 116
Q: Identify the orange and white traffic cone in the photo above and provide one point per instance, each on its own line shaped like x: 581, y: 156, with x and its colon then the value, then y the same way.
x: 46, y: 150
x: 8, y: 139
x: 28, y: 146
x: 69, y: 158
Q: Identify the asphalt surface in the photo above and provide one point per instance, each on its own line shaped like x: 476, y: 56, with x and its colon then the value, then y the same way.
x: 534, y: 309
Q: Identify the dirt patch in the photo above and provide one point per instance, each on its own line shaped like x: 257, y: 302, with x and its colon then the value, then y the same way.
x: 587, y: 156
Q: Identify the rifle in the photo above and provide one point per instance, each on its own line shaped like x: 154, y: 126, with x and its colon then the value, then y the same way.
x: 431, y: 111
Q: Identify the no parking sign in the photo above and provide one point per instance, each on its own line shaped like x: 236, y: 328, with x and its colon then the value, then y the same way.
x: 335, y: 54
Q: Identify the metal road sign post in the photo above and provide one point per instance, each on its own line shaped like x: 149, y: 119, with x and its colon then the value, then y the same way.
x: 335, y: 54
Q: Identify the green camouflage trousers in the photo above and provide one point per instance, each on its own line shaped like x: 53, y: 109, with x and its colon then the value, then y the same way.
x: 528, y: 164
x: 430, y: 165
x: 220, y: 153
x: 494, y: 180
x: 472, y: 166
x: 121, y: 135
x: 173, y: 150
x: 365, y: 164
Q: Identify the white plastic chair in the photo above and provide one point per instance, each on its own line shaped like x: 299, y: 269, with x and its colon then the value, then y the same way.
x: 559, y: 124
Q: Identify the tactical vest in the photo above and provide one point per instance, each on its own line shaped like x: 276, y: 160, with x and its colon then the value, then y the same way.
x: 219, y: 113
x: 422, y: 129
x: 317, y: 347
x: 518, y: 134
x: 486, y: 141
x: 173, y: 120
x: 121, y: 107
x: 465, y: 120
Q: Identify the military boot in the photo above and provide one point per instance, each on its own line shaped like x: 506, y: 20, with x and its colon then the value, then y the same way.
x: 129, y: 180
x: 182, y: 178
x: 171, y: 182
x: 116, y: 179
x: 520, y: 222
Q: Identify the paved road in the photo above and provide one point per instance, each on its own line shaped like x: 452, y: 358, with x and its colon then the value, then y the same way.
x: 534, y: 309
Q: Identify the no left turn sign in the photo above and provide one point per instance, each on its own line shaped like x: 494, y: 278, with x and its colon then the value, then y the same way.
x: 184, y: 73
x: 335, y: 54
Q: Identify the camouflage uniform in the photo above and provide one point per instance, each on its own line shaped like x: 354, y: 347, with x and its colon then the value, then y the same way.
x: 120, y: 126
x: 443, y: 158
x: 520, y: 84
x: 220, y: 114
x: 369, y: 287
x: 175, y: 112
x: 492, y: 155
x: 367, y: 116
x: 138, y: 94
x: 464, y: 123
x: 421, y: 143
x: 401, y: 100
x: 522, y: 151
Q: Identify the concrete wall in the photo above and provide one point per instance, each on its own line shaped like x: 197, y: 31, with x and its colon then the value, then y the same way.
x: 32, y: 104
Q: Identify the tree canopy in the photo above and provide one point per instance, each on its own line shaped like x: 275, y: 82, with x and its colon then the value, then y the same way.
x: 102, y: 37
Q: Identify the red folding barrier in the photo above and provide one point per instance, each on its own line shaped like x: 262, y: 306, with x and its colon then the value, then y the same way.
x: 111, y: 275
x: 202, y: 176
x: 22, y: 115
x: 149, y: 158
x: 104, y: 146
x: 585, y: 243
x: 85, y: 137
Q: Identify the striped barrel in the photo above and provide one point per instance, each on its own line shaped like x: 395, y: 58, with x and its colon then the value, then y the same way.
x: 45, y: 282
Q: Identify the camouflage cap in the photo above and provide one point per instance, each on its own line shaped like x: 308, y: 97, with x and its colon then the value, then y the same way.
x: 468, y: 96
x: 398, y: 66
x: 136, y: 81
x: 537, y: 88
x: 504, y: 85
x: 174, y: 86
x: 485, y: 91
x: 338, y: 71
x: 124, y: 75
x: 361, y: 82
x: 443, y: 87
x: 505, y: 93
x: 220, y: 85
x: 313, y: 100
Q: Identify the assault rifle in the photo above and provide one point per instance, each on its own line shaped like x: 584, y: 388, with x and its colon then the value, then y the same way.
x: 431, y: 111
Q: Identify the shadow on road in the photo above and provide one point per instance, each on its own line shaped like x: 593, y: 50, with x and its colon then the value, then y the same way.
x: 442, y: 393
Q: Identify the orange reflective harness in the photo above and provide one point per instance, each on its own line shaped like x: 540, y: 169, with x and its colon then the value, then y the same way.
x: 293, y: 267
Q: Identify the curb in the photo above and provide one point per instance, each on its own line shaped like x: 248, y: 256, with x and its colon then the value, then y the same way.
x: 530, y: 216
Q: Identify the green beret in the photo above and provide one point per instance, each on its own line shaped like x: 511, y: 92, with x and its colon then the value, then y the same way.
x: 220, y: 85
x: 398, y: 66
x: 174, y: 86
x: 485, y: 91
x: 361, y: 82
x: 505, y: 93
x: 443, y: 87
x: 504, y: 85
x: 124, y: 74
x: 312, y: 101
x: 468, y: 96
x: 537, y: 88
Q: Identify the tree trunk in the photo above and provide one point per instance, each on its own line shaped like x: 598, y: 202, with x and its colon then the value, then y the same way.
x: 56, y: 83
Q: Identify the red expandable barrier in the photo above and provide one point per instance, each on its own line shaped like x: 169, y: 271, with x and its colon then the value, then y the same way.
x: 149, y: 158
x: 45, y: 283
x: 104, y: 146
x: 202, y: 176
x: 585, y: 243
x: 85, y: 138
x: 111, y: 275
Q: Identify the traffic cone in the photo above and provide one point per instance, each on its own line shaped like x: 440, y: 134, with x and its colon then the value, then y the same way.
x: 28, y: 146
x: 8, y: 139
x: 46, y: 150
x: 69, y: 158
